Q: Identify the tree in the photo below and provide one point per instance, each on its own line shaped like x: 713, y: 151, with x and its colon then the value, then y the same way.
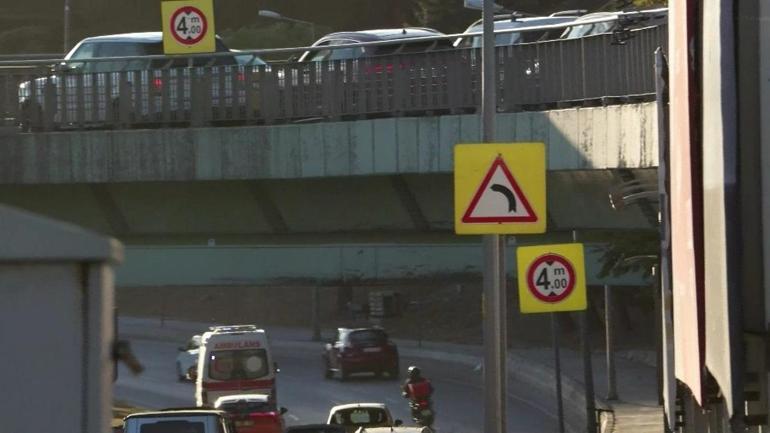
x: 630, y: 244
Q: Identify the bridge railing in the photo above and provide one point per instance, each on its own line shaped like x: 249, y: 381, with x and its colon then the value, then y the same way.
x: 175, y: 93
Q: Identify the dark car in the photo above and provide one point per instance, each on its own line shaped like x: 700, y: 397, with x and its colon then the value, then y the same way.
x: 400, y: 38
x: 361, y: 350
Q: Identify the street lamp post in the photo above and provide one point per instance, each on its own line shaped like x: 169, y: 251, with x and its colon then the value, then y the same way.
x: 276, y: 16
x: 66, y: 26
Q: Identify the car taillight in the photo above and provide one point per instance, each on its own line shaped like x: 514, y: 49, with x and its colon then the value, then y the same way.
x: 241, y: 76
x: 157, y: 83
x: 264, y: 415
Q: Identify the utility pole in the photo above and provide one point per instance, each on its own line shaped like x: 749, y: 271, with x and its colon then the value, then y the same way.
x: 66, y: 26
x: 609, y: 334
x: 495, y: 353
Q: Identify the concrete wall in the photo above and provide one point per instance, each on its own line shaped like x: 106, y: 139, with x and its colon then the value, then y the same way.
x: 265, y: 265
x: 583, y: 138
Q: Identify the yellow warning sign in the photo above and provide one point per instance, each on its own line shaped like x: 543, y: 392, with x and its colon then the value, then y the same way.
x: 500, y: 188
x: 188, y: 26
x: 552, y: 278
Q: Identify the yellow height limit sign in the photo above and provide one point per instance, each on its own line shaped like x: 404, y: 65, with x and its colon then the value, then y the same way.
x: 552, y: 278
x: 500, y: 188
x: 188, y: 26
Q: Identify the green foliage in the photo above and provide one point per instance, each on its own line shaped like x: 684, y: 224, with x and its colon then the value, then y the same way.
x: 446, y: 16
x: 30, y: 39
x: 275, y: 35
x: 620, y: 250
x: 34, y: 25
x: 650, y: 3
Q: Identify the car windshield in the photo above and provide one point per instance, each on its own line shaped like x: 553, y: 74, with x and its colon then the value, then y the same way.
x: 513, y: 38
x: 174, y: 426
x: 249, y: 60
x: 242, y: 407
x: 368, y: 337
x: 589, y: 29
x: 238, y: 364
x: 360, y: 416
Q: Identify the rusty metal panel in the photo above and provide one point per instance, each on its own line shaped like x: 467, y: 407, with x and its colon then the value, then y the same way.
x: 686, y: 205
x: 721, y: 202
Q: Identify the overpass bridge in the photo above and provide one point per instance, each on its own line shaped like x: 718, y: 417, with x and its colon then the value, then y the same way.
x: 354, y: 151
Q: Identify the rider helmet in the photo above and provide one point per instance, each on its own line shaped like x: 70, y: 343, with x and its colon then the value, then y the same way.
x: 413, y: 372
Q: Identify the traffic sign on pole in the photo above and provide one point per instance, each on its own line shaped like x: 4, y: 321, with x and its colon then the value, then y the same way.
x: 500, y: 188
x: 551, y: 278
x: 188, y: 26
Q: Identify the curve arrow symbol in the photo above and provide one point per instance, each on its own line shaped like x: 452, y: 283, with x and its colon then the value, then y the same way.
x: 502, y: 189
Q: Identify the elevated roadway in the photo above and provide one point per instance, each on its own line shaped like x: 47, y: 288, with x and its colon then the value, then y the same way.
x: 338, y: 181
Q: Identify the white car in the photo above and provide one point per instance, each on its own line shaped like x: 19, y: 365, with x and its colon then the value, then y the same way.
x: 619, y: 21
x: 508, y: 22
x: 361, y: 415
x: 84, y: 83
x: 187, y: 360
x: 175, y: 421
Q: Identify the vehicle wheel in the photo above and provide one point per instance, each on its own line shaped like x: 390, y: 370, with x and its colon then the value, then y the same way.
x: 180, y: 376
x: 25, y: 125
x: 26, y: 112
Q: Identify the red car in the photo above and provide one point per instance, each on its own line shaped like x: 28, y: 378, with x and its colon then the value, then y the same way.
x: 252, y: 413
x: 360, y: 350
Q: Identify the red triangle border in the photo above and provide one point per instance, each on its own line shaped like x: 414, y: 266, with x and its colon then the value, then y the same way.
x: 530, y: 218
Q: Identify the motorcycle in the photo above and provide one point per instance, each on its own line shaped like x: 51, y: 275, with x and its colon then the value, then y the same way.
x: 422, y: 412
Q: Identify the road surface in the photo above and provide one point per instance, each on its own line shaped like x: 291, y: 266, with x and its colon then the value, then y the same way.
x: 308, y: 396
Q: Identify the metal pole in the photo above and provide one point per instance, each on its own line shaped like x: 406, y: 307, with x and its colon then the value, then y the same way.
x: 66, y: 26
x: 494, y: 269
x: 658, y: 336
x: 557, y: 368
x: 612, y: 393
x: 494, y: 382
x: 588, y: 372
x: 669, y: 381
x: 316, y: 314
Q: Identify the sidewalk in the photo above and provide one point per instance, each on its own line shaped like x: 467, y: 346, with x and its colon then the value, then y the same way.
x: 636, y: 410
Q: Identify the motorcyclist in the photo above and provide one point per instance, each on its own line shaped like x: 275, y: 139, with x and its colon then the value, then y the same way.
x: 416, y: 388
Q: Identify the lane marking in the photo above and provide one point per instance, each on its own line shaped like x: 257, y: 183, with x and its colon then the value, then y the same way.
x: 293, y: 417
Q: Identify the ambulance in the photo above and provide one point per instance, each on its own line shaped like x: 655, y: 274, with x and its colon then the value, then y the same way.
x: 234, y: 360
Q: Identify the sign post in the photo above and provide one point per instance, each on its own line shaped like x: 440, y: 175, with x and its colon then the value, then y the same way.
x: 188, y: 26
x: 551, y: 280
x: 479, y: 211
x: 495, y: 353
x: 499, y: 189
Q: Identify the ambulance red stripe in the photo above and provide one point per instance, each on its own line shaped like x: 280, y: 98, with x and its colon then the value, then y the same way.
x: 238, y: 384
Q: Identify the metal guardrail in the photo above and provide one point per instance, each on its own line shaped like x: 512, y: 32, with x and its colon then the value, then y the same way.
x: 172, y: 93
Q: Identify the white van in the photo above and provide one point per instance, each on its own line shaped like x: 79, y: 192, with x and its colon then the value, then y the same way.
x: 234, y: 360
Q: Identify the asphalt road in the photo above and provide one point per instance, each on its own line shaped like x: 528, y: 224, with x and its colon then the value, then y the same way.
x: 458, y: 398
